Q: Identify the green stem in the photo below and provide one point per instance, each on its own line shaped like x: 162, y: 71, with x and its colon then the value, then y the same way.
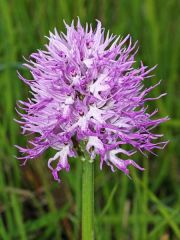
x: 88, y: 200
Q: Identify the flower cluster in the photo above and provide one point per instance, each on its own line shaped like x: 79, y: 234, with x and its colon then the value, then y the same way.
x: 85, y: 88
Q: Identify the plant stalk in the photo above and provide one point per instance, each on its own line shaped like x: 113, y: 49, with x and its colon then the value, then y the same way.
x: 88, y: 199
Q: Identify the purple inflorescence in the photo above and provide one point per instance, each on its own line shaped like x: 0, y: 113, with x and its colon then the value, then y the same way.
x: 85, y: 88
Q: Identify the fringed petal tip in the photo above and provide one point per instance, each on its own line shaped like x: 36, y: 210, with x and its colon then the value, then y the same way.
x: 55, y: 175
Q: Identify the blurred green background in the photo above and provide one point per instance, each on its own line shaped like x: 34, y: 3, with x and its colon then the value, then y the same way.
x: 32, y: 205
